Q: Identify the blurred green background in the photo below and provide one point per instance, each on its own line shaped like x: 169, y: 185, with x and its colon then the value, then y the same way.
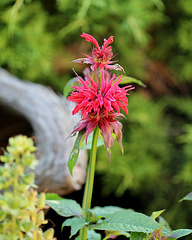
x: 153, y: 42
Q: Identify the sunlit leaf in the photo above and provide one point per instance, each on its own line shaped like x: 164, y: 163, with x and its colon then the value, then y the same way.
x: 157, y: 213
x: 65, y: 207
x: 129, y: 221
x: 75, y: 223
x: 52, y: 196
x: 104, y: 211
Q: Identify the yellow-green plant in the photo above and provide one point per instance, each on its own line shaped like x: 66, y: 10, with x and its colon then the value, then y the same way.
x: 21, y: 209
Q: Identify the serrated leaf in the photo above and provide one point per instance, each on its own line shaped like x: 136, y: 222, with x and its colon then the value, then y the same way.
x: 128, y: 80
x: 180, y: 233
x: 104, y: 211
x: 187, y: 197
x: 157, y: 213
x: 129, y: 221
x: 68, y: 88
x: 65, y: 207
x: 73, y: 157
x: 75, y: 223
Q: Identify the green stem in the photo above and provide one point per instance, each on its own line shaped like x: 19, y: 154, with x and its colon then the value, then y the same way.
x: 89, y: 182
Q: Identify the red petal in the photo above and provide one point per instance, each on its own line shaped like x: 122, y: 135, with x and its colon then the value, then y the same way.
x: 107, y: 42
x: 90, y: 38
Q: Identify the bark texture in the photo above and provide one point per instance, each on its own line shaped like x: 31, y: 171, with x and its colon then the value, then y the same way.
x: 52, y: 122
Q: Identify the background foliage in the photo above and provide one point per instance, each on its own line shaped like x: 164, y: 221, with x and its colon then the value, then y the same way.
x: 153, y: 39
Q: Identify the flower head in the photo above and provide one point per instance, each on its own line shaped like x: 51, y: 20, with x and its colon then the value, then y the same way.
x: 99, y: 102
x: 101, y: 56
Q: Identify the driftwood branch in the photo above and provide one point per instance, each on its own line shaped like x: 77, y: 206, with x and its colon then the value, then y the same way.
x: 52, y: 122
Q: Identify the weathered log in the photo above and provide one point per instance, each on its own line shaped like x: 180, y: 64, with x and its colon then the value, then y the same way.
x: 50, y: 117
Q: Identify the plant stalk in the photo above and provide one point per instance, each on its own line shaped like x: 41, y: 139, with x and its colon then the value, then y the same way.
x: 89, y: 182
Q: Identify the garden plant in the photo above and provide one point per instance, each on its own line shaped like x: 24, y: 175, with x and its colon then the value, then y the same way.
x: 99, y: 98
x: 153, y: 41
x: 21, y: 208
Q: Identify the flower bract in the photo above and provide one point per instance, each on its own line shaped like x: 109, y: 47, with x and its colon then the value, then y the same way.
x: 101, y: 56
x: 99, y: 101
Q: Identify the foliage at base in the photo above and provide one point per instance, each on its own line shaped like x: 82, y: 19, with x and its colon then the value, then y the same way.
x: 113, y: 220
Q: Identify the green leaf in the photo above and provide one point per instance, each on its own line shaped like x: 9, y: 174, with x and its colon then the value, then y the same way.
x: 128, y: 80
x: 114, y: 234
x: 137, y: 236
x: 180, y: 233
x: 65, y: 207
x: 105, y: 211
x: 91, y: 235
x: 128, y: 220
x: 156, y: 214
x: 29, y: 178
x: 91, y: 218
x: 26, y: 226
x: 52, y: 196
x: 68, y: 88
x: 164, y: 223
x: 75, y: 223
x: 75, y: 151
x: 187, y: 197
x: 48, y: 234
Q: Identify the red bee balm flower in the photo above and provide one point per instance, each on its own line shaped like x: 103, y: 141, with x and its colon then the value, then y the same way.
x: 100, y: 56
x: 99, y: 103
